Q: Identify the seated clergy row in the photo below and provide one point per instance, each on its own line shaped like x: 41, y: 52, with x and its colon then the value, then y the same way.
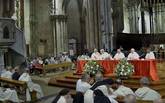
x: 133, y: 55
x: 119, y: 90
x: 11, y: 95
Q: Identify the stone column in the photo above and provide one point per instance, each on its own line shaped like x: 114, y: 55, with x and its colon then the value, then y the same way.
x: 106, y: 24
x: 65, y: 36
x: 2, y: 64
x: 60, y: 32
x: 91, y: 23
x: 58, y: 39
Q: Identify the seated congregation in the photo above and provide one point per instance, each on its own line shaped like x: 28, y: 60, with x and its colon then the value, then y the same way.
x: 100, y: 90
x: 13, y: 93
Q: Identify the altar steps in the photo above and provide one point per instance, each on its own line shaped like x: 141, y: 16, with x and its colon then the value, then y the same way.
x: 61, y: 84
x: 111, y: 76
x: 69, y: 81
x: 73, y: 80
x: 73, y: 77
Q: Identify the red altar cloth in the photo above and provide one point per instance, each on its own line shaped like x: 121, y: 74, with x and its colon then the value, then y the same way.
x: 142, y: 67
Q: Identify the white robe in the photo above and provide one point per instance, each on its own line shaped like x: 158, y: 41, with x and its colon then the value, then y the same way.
x: 150, y: 55
x: 146, y: 93
x: 123, y: 91
x: 52, y: 61
x: 82, y: 86
x: 105, y: 55
x: 62, y: 100
x: 133, y: 56
x: 7, y: 74
x: 119, y: 56
x: 8, y: 94
x: 104, y: 89
x: 95, y: 56
x: 31, y: 86
x: 88, y: 96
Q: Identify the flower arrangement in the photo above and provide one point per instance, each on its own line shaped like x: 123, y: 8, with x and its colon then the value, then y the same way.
x: 92, y: 68
x: 124, y: 69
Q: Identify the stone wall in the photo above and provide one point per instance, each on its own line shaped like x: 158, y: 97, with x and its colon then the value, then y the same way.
x: 1, y: 7
x: 73, y: 22
x: 41, y: 39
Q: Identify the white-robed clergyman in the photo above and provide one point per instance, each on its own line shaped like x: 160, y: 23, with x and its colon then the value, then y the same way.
x: 146, y: 93
x: 82, y: 84
x: 121, y: 89
x: 150, y: 55
x: 7, y: 73
x: 8, y: 95
x: 104, y: 55
x: 31, y: 86
x: 95, y: 55
x: 119, y: 55
x: 133, y: 55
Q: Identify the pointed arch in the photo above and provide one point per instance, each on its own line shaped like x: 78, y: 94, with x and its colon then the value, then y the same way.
x: 6, y: 33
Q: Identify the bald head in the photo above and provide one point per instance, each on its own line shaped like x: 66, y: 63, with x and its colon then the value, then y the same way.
x: 95, y: 50
x: 99, y: 76
x: 130, y: 98
x: 132, y: 50
x: 102, y: 51
x: 8, y: 68
x: 85, y: 77
x: 118, y: 51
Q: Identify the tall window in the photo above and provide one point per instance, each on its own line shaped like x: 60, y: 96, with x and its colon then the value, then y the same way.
x: 6, y: 33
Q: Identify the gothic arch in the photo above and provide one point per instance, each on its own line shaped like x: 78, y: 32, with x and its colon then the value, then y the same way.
x: 6, y: 33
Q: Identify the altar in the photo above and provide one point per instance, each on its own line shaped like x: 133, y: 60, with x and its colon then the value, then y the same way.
x: 146, y: 68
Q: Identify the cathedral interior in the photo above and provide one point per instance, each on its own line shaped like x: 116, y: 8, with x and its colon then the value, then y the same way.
x: 45, y: 28
x: 53, y: 26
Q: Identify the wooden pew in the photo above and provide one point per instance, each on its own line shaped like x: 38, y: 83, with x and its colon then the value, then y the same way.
x: 13, y: 82
x: 56, y: 66
x: 21, y: 84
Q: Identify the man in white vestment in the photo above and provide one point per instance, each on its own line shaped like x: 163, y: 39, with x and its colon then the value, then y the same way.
x: 104, y: 55
x: 119, y: 55
x: 52, y: 60
x: 146, y: 93
x: 108, y: 91
x: 40, y: 61
x: 95, y: 55
x: 7, y: 73
x: 88, y: 96
x: 8, y: 95
x: 31, y: 86
x: 103, y: 85
x: 150, y: 55
x: 133, y: 55
x: 83, y: 84
x: 121, y: 89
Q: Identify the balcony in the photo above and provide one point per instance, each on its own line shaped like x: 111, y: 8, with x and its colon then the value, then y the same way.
x: 7, y: 32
